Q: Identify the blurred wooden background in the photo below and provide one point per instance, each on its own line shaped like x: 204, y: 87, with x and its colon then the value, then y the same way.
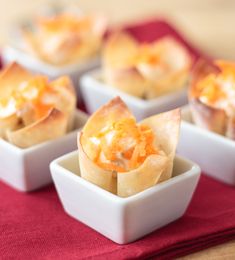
x: 209, y: 24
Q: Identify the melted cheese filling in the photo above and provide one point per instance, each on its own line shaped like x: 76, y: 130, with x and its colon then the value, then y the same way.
x: 31, y: 92
x: 218, y: 91
x: 123, y: 145
x: 155, y: 61
x: 62, y: 28
x: 59, y: 34
x: 65, y: 23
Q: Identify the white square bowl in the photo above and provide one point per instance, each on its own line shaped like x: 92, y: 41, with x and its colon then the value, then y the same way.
x: 28, y: 169
x: 74, y: 71
x: 96, y: 93
x: 214, y: 153
x: 124, y: 220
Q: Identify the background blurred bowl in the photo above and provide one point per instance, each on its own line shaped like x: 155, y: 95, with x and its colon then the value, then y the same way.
x: 96, y: 93
x: 213, y: 152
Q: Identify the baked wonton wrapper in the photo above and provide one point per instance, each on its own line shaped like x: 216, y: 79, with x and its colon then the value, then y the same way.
x: 155, y: 168
x: 145, y: 70
x: 65, y: 37
x: 211, y: 101
x: 51, y: 126
x: 28, y: 122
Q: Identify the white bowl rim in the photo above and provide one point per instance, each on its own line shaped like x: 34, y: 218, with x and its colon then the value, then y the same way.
x: 95, y: 73
x: 209, y: 134
x: 79, y: 114
x: 53, y: 69
x: 56, y: 166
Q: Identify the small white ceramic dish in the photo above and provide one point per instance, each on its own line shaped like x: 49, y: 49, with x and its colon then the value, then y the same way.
x: 28, y: 169
x: 74, y: 71
x: 92, y: 86
x: 214, y: 153
x: 124, y: 220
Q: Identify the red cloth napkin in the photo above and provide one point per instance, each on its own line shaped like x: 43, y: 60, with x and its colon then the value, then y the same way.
x: 156, y: 29
x: 34, y: 226
x: 152, y: 30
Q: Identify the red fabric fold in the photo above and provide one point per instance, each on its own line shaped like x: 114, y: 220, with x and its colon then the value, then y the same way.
x: 156, y: 29
x: 34, y: 226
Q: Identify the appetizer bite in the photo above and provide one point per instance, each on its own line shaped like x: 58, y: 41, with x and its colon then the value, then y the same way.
x: 64, y: 37
x: 212, y: 97
x: 146, y: 70
x: 123, y: 156
x: 32, y: 108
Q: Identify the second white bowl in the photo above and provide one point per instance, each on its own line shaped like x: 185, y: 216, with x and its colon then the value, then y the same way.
x: 213, y: 152
x: 96, y: 93
x: 28, y: 169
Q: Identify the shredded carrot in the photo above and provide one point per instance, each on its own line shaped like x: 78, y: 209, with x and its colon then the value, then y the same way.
x: 125, y: 145
x: 32, y: 91
x: 64, y: 22
x: 211, y: 88
x: 148, y: 54
x: 128, y: 153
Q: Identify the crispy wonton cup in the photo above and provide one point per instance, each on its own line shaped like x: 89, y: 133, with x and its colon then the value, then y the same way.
x: 24, y: 131
x: 122, y: 71
x: 65, y: 99
x: 10, y: 78
x: 52, y: 126
x: 176, y: 57
x: 206, y: 116
x: 68, y: 48
x: 119, y: 65
x: 155, y: 168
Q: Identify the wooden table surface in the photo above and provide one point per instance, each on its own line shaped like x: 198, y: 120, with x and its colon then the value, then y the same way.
x: 209, y: 24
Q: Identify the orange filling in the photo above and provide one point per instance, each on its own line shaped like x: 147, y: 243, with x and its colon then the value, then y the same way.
x: 32, y: 91
x: 228, y: 69
x: 210, y: 90
x: 218, y: 87
x: 148, y: 55
x: 123, y: 146
x: 151, y: 55
x: 65, y: 22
